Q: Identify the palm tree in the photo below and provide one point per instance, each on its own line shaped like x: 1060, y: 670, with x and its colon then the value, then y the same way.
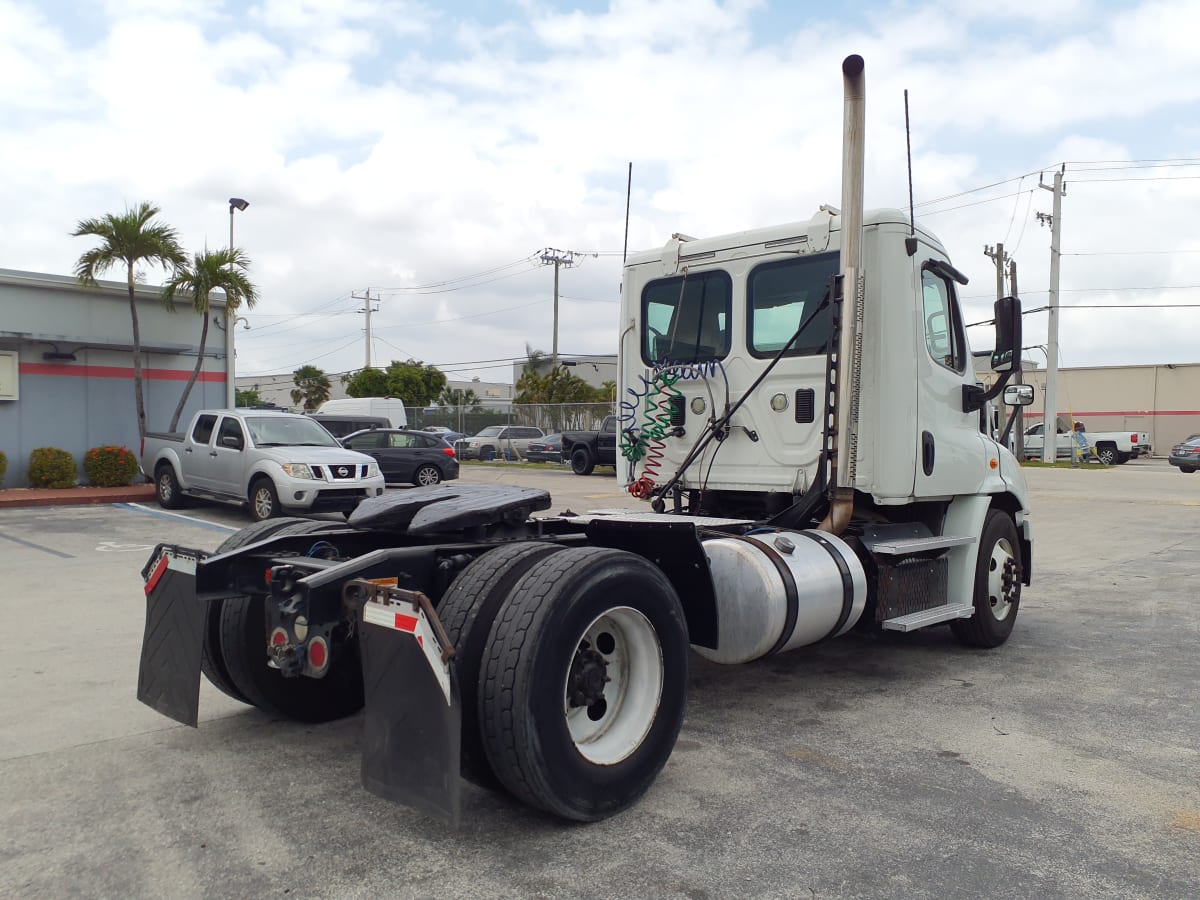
x: 312, y: 387
x: 459, y: 397
x: 223, y: 270
x: 130, y: 239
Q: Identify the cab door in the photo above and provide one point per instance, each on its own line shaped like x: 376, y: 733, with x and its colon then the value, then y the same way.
x: 950, y: 448
x: 228, y: 457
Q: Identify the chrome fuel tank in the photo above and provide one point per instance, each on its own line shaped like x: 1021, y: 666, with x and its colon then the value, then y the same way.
x: 781, y: 590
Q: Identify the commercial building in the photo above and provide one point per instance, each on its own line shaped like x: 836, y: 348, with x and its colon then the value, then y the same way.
x: 66, y: 366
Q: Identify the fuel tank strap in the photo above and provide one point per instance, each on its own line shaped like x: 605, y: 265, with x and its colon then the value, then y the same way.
x: 847, y: 581
x: 789, y: 588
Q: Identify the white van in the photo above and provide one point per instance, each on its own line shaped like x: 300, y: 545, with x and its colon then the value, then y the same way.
x: 390, y: 408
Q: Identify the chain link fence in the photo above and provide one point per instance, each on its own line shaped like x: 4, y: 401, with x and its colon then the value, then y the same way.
x: 551, y: 418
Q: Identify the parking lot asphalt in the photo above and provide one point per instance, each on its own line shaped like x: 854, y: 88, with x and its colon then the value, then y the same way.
x: 1063, y: 764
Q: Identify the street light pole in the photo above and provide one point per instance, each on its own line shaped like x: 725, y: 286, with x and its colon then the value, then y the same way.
x: 230, y: 319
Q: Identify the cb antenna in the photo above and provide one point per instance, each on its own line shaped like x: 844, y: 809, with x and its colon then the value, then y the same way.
x: 628, y: 191
x: 910, y: 242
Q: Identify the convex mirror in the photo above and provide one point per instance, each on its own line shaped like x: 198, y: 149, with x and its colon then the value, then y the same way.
x: 1018, y: 395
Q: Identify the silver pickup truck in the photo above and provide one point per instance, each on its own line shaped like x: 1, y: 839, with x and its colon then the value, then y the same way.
x: 268, y: 461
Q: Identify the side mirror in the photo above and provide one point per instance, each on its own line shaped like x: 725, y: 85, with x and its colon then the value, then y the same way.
x: 233, y: 443
x: 1018, y: 395
x: 1007, y: 355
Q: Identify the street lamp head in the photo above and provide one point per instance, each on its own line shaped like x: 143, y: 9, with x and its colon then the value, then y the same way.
x: 238, y: 203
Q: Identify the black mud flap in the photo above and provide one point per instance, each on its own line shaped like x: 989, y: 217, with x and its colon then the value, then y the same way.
x: 169, y: 673
x: 412, y: 725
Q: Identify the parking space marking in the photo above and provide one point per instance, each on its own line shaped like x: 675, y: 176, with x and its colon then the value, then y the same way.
x: 24, y: 543
x: 162, y: 514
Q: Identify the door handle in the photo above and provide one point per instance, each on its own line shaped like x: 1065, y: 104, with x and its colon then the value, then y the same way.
x: 187, y: 449
x: 927, y: 451
x: 212, y: 452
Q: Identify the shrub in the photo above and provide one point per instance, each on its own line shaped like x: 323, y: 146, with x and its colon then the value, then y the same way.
x: 3, y: 466
x: 110, y: 466
x: 51, y: 467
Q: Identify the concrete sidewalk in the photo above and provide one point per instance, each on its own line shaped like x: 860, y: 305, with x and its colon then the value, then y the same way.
x: 75, y: 496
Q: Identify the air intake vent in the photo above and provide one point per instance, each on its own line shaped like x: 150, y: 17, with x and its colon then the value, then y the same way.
x: 806, y: 405
x: 678, y: 414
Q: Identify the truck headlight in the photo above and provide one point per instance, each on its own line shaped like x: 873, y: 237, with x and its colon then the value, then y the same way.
x: 298, y: 470
x: 373, y: 470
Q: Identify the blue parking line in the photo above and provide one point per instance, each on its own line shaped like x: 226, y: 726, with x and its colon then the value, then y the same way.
x: 211, y: 526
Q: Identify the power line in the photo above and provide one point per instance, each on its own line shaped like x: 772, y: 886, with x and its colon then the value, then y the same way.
x: 435, y: 286
x: 490, y: 312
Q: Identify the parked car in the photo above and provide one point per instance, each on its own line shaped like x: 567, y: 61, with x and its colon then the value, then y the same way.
x: 1186, y: 455
x: 340, y: 425
x: 449, y: 435
x: 588, y: 449
x: 270, y: 462
x: 406, y: 457
x: 545, y: 449
x: 505, y: 441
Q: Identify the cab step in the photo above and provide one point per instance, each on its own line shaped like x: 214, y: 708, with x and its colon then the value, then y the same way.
x: 924, y: 617
x: 905, y: 546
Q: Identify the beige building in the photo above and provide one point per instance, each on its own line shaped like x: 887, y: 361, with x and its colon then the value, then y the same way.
x: 1163, y: 400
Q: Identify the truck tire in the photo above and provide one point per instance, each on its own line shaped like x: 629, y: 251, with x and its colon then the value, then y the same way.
x: 581, y: 461
x: 166, y: 487
x: 997, y: 585
x: 212, y: 663
x: 303, y: 699
x: 1187, y: 470
x: 467, y: 611
x: 426, y: 476
x: 1108, y: 455
x: 584, y: 682
x: 264, y: 500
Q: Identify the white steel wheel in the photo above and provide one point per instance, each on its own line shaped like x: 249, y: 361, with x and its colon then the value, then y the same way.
x: 1000, y: 574
x: 614, y: 686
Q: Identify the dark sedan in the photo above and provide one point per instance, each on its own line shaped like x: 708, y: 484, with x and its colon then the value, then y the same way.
x: 545, y: 449
x: 406, y: 457
x: 1186, y: 455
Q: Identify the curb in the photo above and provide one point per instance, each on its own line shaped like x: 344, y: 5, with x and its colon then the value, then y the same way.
x: 16, y: 498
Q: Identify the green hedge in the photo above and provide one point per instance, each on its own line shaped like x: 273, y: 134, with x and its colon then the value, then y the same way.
x: 51, y: 467
x: 110, y: 466
x: 3, y: 466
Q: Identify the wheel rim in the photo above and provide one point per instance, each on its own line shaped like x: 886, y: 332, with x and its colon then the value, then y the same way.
x: 614, y: 686
x: 164, y: 487
x: 263, y: 504
x: 428, y: 476
x: 1002, y: 579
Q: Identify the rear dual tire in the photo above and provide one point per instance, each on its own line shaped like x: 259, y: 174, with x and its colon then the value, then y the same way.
x: 557, y: 734
x: 234, y: 654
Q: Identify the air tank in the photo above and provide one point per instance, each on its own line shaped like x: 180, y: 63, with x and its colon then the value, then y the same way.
x: 781, y: 590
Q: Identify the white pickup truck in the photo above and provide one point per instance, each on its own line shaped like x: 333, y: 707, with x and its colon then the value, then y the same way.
x: 269, y: 461
x: 1112, y: 447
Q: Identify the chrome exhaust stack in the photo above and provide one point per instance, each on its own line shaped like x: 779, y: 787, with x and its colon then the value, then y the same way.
x: 844, y: 441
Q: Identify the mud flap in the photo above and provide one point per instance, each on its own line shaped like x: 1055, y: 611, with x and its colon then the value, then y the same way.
x: 412, y: 725
x: 169, y: 672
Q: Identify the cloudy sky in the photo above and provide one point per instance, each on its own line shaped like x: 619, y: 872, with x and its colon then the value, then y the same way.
x: 429, y: 151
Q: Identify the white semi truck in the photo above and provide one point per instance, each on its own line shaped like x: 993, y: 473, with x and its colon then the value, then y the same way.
x: 801, y: 413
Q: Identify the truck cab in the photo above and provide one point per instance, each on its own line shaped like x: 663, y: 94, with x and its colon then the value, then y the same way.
x: 713, y: 312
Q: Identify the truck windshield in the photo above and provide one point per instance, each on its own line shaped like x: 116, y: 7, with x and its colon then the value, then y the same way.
x: 686, y: 319
x: 288, y: 431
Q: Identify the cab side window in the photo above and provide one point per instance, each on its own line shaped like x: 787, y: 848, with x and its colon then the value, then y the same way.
x: 231, y: 428
x: 202, y: 432
x: 943, y: 327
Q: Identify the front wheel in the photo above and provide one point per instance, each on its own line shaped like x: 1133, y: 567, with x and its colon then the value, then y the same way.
x: 264, y: 501
x: 426, y: 476
x: 581, y: 461
x: 997, y: 585
x: 583, y: 686
x: 1188, y: 470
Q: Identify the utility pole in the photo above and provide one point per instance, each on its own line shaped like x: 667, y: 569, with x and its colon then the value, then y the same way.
x: 557, y: 258
x: 1050, y: 430
x: 367, y: 310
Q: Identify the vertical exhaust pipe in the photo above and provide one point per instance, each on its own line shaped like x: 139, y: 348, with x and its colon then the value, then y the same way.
x: 844, y: 443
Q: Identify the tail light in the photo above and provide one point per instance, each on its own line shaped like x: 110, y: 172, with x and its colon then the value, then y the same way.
x: 1133, y: 438
x: 449, y: 451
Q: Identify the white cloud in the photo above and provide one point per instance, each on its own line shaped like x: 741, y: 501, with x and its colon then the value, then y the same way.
x: 391, y: 145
